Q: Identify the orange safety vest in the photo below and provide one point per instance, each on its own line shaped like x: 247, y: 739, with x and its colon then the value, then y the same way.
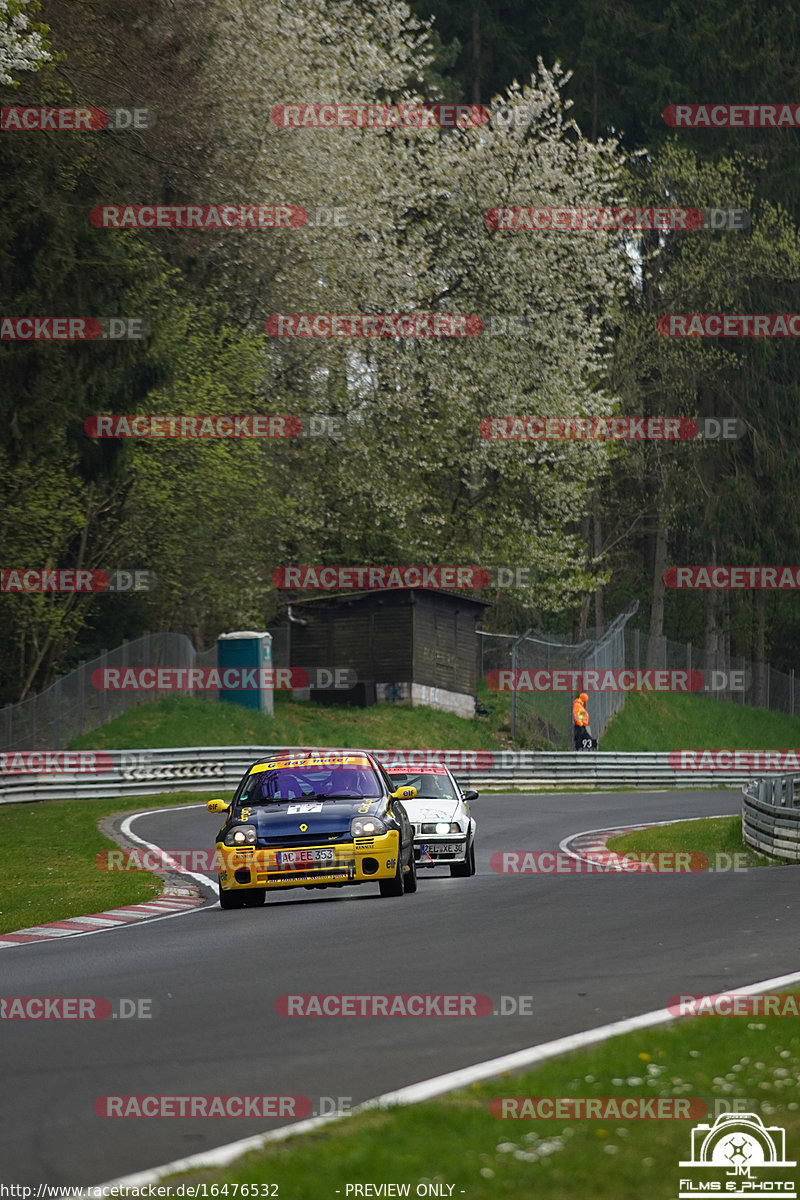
x: 580, y: 714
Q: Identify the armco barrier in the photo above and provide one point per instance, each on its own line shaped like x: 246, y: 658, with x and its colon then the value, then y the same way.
x: 771, y: 816
x: 192, y: 768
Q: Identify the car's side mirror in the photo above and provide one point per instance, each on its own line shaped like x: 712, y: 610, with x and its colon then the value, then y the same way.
x: 404, y: 793
x: 218, y: 806
x: 471, y: 795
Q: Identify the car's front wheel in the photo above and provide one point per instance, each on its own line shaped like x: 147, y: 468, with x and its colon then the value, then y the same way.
x: 410, y: 877
x: 393, y: 886
x: 463, y: 869
x: 231, y: 899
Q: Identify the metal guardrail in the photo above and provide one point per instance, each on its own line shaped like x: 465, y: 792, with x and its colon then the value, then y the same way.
x: 193, y: 768
x: 771, y: 816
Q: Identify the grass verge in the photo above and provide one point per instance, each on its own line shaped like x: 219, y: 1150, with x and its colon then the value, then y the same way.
x: 187, y: 721
x: 661, y: 721
x: 47, y: 859
x: 711, y: 836
x: 456, y: 1141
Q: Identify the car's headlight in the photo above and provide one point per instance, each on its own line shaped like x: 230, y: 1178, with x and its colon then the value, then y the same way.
x: 440, y: 827
x: 241, y: 835
x: 367, y: 826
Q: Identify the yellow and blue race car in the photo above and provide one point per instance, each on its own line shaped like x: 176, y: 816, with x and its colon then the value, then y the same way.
x: 314, y: 819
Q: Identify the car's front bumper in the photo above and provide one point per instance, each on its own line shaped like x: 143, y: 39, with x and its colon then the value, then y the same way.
x: 431, y: 850
x: 358, y: 861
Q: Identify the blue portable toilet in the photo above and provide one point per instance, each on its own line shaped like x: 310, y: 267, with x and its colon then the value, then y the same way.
x: 246, y: 649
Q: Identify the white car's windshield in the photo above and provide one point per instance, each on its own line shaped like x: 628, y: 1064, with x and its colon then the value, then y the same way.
x: 430, y: 785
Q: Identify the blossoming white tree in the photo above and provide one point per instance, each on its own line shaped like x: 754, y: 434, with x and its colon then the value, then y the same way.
x: 22, y: 47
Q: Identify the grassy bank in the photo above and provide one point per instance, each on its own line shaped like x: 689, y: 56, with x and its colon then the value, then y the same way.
x: 661, y: 721
x: 648, y: 722
x: 187, y: 721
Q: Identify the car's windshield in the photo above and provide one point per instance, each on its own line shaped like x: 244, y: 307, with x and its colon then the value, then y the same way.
x: 303, y: 781
x: 430, y: 785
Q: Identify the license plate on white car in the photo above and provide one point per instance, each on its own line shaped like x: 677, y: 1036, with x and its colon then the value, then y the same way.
x: 444, y: 848
x: 298, y: 860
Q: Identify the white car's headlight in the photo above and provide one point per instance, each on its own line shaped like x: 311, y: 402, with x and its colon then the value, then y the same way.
x: 441, y: 827
x: 367, y: 827
x: 241, y: 835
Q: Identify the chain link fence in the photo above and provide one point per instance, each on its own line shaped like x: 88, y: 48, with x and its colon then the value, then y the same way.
x: 74, y: 705
x: 547, y: 716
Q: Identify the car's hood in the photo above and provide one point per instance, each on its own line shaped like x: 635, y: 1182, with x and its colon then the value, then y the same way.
x: 420, y: 809
x: 321, y: 816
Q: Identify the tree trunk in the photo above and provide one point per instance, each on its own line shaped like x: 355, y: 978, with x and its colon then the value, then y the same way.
x: 597, y: 548
x: 476, y: 52
x: 760, y: 697
x: 586, y: 599
x: 655, y: 644
x: 711, y: 622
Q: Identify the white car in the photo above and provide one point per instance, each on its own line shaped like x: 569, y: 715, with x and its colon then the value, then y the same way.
x: 444, y: 831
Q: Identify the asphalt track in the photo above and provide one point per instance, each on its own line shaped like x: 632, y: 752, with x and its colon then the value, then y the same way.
x: 587, y: 949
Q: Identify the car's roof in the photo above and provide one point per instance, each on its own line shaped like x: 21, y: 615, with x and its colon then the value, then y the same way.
x: 308, y: 752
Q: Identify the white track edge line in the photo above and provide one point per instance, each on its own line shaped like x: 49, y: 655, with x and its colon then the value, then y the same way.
x: 154, y: 920
x: 428, y: 1088
x: 125, y: 828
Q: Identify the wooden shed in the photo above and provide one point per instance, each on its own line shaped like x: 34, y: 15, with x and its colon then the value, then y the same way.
x: 416, y: 644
